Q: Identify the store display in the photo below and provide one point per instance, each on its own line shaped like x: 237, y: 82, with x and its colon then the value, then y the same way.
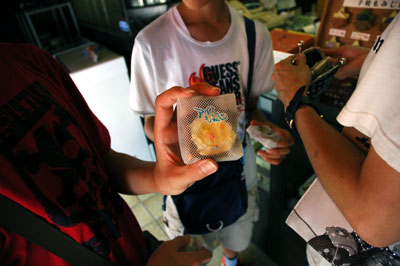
x: 345, y: 22
x: 269, y: 18
x: 256, y: 11
x: 254, y: 7
x: 356, y: 43
x: 386, y: 20
x: 299, y: 22
x: 357, y: 23
x: 340, y: 18
x: 239, y: 6
x: 286, y: 41
x: 332, y: 43
x: 364, y: 21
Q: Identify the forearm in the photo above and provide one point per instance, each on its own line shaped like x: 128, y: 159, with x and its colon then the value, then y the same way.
x: 363, y: 187
x: 149, y: 127
x: 336, y: 161
x: 130, y: 175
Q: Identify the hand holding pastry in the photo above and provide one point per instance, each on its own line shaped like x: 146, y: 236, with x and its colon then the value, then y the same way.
x: 171, y: 175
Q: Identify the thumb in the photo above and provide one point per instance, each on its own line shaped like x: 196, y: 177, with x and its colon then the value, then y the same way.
x: 301, y: 59
x: 180, y: 242
x: 254, y: 123
x: 201, y: 169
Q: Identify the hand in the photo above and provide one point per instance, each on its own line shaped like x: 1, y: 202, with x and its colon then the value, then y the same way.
x: 171, y: 175
x: 276, y: 155
x: 289, y: 78
x: 355, y: 56
x: 169, y: 254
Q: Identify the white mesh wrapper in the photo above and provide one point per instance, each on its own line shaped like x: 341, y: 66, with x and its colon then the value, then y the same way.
x: 207, y: 128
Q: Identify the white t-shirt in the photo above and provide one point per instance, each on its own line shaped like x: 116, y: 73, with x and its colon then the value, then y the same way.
x: 372, y: 109
x: 166, y: 55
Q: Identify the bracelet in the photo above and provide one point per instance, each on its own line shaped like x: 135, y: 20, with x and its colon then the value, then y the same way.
x: 298, y: 100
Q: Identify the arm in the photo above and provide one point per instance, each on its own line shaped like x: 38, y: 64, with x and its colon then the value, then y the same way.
x: 149, y: 127
x: 130, y: 175
x: 362, y: 185
x: 276, y: 155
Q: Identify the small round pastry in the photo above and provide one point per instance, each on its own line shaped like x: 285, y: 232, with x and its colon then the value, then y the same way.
x: 212, y: 138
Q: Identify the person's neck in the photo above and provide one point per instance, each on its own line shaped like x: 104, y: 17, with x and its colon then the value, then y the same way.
x: 208, y: 23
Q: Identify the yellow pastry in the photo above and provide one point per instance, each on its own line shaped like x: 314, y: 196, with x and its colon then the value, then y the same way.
x: 212, y: 138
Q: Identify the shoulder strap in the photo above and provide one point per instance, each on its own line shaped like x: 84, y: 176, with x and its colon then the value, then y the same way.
x: 251, y: 47
x: 19, y: 220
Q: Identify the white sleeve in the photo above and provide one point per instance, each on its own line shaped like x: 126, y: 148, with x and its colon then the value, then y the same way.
x: 142, y: 89
x: 263, y: 61
x: 372, y: 108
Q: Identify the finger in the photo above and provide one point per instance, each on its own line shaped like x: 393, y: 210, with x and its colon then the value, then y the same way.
x: 285, y: 143
x: 185, y: 176
x: 254, y: 123
x: 301, y: 60
x: 180, y: 242
x: 196, y: 171
x: 202, y: 256
x: 265, y: 157
x: 284, y: 64
x: 350, y: 69
x: 277, y: 152
x: 205, y: 88
x: 288, y: 60
x: 334, y: 52
x: 164, y: 105
x: 286, y: 138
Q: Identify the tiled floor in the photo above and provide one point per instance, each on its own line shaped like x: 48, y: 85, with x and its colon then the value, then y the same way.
x: 147, y: 209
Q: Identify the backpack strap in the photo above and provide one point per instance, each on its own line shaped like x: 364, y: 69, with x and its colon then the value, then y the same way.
x: 251, y: 47
x: 19, y: 220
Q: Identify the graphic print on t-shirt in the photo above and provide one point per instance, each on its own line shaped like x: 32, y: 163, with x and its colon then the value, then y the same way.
x: 224, y: 76
x: 51, y: 154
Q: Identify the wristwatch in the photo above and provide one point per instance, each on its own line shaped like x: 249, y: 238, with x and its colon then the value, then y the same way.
x: 298, y: 100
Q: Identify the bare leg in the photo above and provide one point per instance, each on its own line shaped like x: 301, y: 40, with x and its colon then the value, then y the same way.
x: 230, y: 254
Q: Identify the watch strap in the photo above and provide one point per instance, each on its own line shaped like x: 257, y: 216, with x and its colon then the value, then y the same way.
x: 298, y: 100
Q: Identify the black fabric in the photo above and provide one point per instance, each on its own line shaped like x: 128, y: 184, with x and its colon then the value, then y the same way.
x: 152, y: 242
x: 215, y: 201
